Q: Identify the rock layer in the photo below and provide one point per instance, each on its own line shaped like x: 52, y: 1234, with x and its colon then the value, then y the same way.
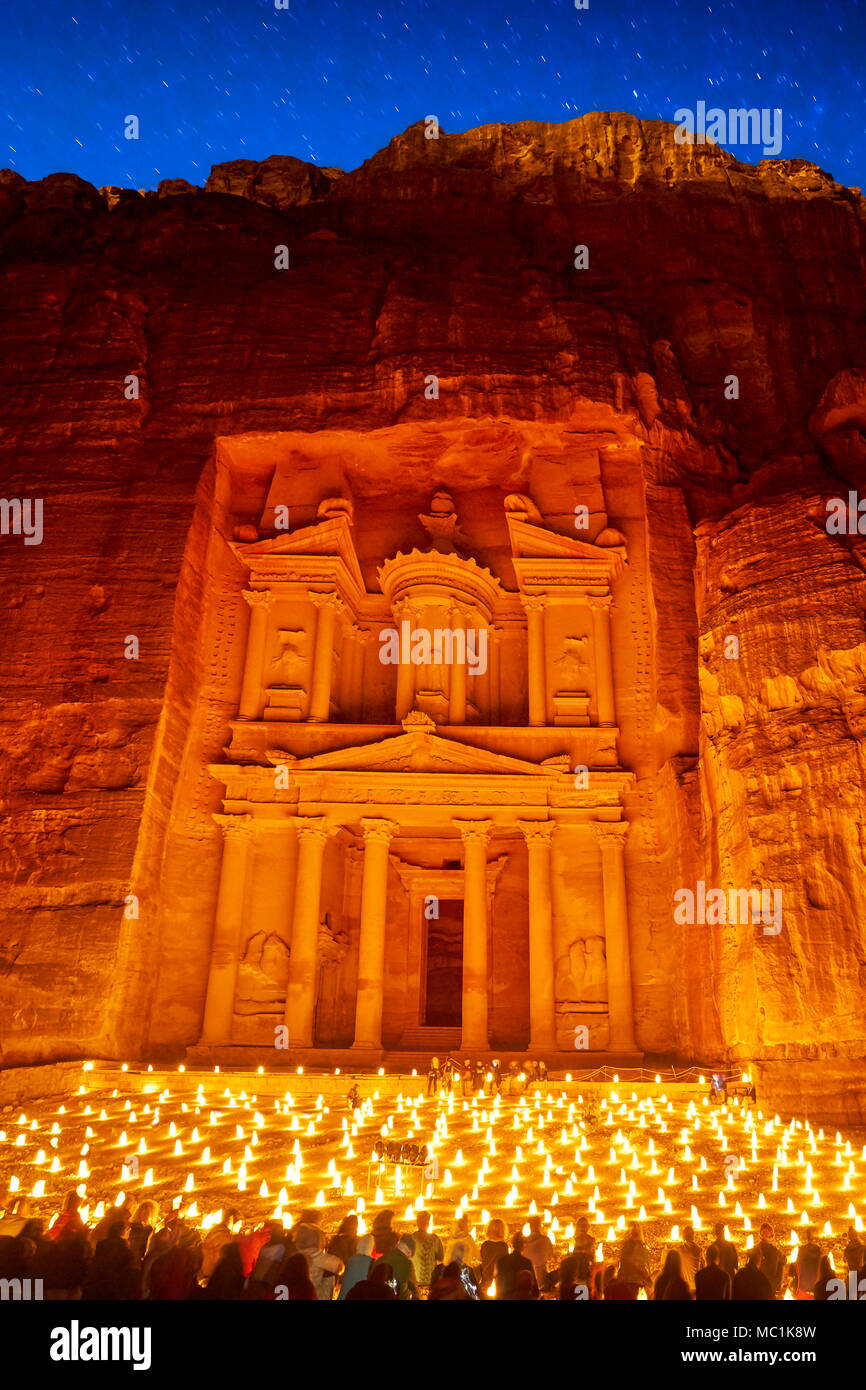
x: 455, y: 258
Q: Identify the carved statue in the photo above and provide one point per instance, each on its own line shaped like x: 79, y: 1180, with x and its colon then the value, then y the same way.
x: 581, y: 975
x: 440, y: 523
x: 572, y: 665
x: 289, y: 662
x: 263, y: 975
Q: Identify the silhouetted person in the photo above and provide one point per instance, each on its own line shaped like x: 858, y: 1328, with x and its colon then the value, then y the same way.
x: 670, y: 1286
x: 574, y: 1273
x: 855, y: 1251
x: 113, y: 1273
x: 293, y: 1280
x: 750, y: 1284
x: 508, y: 1266
x: 728, y: 1258
x: 227, y: 1279
x: 691, y: 1255
x: 805, y: 1267
x: 826, y: 1277
x: 69, y: 1219
x: 376, y: 1289
x: 634, y: 1260
x: 712, y: 1284
x: 772, y: 1259
x: 62, y: 1265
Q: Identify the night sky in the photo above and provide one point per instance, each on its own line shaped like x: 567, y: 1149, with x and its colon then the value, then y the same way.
x: 331, y: 81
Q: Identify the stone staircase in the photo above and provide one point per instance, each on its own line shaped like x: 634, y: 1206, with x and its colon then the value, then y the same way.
x: 418, y: 1045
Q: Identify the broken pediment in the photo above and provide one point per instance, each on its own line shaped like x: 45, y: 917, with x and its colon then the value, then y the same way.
x: 331, y: 537
x: 531, y: 541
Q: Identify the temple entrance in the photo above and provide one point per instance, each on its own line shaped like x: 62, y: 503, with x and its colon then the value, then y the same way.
x: 443, y: 975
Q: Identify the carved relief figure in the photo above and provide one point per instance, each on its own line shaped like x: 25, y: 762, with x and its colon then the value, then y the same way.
x: 581, y: 975
x: 263, y: 975
x: 288, y: 663
x: 572, y: 664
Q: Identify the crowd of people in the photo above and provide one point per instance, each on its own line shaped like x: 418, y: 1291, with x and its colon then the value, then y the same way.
x: 470, y: 1078
x: 130, y: 1255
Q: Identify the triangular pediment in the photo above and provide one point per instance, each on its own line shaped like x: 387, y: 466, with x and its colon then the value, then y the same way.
x: 331, y: 538
x: 530, y: 542
x: 417, y: 751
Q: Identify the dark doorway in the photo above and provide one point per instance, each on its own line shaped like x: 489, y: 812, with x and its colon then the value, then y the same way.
x: 443, y: 995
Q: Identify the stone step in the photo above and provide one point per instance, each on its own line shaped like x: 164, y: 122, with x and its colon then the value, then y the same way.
x: 430, y: 1040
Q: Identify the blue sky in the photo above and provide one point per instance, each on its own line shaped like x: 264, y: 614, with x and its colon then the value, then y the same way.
x: 331, y: 81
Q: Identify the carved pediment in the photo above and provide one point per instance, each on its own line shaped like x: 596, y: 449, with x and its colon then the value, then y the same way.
x: 419, y: 750
x: 533, y: 542
x: 331, y: 537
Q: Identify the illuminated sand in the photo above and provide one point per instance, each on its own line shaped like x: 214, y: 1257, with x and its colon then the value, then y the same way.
x: 662, y: 1157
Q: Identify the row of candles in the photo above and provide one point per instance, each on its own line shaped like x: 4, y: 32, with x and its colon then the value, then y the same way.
x: 661, y: 1161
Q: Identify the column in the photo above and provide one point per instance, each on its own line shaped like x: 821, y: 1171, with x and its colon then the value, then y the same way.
x: 457, y: 688
x: 405, y: 671
x: 537, y: 679
x: 542, y: 998
x: 251, y: 701
x: 228, y: 928
x: 475, y: 835
x: 600, y: 609
x: 378, y: 835
x: 323, y: 656
x: 352, y: 674
x: 313, y: 832
x: 611, y: 837
x: 495, y: 687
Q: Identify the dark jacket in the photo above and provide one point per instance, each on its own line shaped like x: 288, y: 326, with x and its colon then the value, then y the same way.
x: 712, y: 1284
x: 506, y: 1273
x: 751, y: 1285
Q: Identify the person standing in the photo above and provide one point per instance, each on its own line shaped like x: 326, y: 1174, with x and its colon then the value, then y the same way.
x: 727, y: 1251
x: 805, y: 1267
x: 357, y: 1267
x: 508, y: 1268
x: 434, y: 1076
x: 772, y: 1259
x: 855, y: 1252
x: 751, y: 1284
x: 429, y: 1250
x: 492, y: 1250
x: 670, y: 1286
x: 634, y: 1261
x: 539, y: 1248
x: 712, y: 1284
x: 692, y: 1257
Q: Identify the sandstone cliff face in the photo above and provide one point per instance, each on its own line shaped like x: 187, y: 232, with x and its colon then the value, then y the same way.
x: 452, y: 257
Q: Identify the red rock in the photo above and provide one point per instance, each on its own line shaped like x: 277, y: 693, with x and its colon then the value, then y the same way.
x: 455, y: 258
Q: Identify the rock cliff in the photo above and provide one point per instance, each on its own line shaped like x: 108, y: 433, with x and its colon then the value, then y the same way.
x: 453, y: 257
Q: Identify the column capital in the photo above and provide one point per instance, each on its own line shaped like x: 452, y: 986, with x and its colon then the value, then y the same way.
x: 258, y: 598
x: 474, y: 831
x: 239, y: 827
x: 599, y: 600
x: 539, y: 832
x: 610, y: 833
x: 379, y: 829
x: 328, y: 599
x: 534, y: 603
x: 312, y: 827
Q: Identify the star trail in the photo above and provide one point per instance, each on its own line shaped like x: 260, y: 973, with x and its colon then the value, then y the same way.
x: 331, y: 81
